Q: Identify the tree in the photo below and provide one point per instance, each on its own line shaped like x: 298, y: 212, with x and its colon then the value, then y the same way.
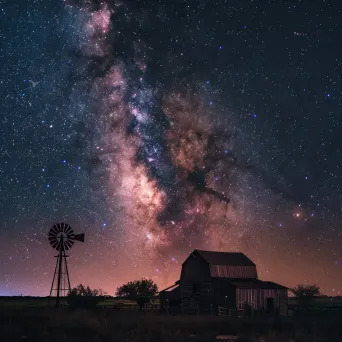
x: 306, y: 291
x: 82, y: 297
x: 140, y: 290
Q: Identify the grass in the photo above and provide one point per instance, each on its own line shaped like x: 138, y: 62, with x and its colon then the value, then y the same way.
x: 52, y: 325
x: 18, y: 302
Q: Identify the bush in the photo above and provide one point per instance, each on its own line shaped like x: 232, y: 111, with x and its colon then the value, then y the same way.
x: 82, y: 297
x: 306, y: 291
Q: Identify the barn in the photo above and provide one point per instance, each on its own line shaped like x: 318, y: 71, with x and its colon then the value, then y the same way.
x: 211, y: 279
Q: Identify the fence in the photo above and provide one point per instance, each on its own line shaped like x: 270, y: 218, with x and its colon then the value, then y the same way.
x: 229, y: 312
x: 190, y: 306
x: 42, y: 302
x: 314, y: 309
x: 135, y: 307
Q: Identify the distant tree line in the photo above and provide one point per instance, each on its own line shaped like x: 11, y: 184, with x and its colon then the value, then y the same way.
x: 141, y: 291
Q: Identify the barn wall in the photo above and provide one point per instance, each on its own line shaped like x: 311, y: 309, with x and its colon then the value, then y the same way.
x: 257, y: 298
x: 223, y: 293
x: 195, y: 281
x: 162, y: 301
x: 200, y: 291
x: 279, y: 296
x: 169, y: 298
x: 249, y: 296
x: 195, y: 269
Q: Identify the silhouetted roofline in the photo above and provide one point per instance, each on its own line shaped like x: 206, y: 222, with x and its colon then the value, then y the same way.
x: 222, y: 258
x: 170, y: 287
x: 257, y: 283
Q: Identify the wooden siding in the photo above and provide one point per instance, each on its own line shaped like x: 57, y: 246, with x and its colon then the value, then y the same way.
x: 195, y: 269
x: 196, y: 290
x: 169, y: 297
x: 186, y: 291
x: 257, y: 299
x: 249, y: 296
x: 196, y: 296
x: 223, y: 293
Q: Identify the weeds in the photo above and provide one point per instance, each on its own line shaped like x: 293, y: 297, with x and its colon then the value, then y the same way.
x: 52, y: 325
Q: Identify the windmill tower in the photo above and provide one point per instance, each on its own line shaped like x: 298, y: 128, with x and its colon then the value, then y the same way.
x: 62, y: 237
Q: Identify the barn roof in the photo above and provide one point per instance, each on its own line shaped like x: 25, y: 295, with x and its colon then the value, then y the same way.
x: 172, y: 287
x: 225, y: 258
x: 223, y: 271
x: 257, y: 284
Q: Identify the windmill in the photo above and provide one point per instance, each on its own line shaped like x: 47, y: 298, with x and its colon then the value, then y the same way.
x: 62, y: 237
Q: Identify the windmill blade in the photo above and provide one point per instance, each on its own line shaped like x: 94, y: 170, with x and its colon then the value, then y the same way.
x: 52, y: 240
x: 52, y: 236
x: 54, y: 244
x: 79, y: 237
x: 69, y: 240
x: 65, y: 246
x: 69, y: 243
x: 54, y: 230
x: 69, y: 230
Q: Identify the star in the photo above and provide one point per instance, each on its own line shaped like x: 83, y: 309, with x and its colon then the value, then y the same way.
x: 158, y: 129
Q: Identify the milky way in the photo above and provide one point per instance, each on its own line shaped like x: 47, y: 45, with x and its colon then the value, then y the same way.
x: 168, y: 156
x: 134, y: 133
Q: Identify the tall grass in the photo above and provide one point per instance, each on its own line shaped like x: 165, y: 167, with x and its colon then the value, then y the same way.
x: 48, y: 324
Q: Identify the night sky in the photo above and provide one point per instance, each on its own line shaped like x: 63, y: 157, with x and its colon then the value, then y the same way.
x: 159, y: 127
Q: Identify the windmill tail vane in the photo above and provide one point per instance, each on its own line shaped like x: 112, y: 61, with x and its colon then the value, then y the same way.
x: 62, y: 237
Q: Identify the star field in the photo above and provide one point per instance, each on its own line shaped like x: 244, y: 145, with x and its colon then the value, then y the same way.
x: 158, y: 127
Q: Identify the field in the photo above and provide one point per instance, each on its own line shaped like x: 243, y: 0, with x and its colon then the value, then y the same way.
x: 22, y: 321
x: 43, y: 302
